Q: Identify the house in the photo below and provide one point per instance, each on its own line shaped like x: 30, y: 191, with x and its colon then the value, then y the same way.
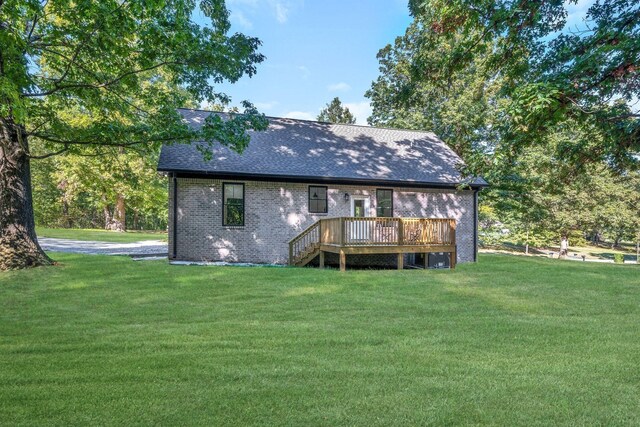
x: 311, y: 192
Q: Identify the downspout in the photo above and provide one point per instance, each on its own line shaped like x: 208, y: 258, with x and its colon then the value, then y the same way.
x: 175, y: 217
x: 475, y: 225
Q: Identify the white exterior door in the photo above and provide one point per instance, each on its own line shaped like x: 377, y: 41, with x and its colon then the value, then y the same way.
x: 360, y: 208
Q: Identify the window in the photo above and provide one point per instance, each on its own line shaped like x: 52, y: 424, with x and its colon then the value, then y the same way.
x: 384, y: 203
x: 317, y: 199
x: 233, y: 204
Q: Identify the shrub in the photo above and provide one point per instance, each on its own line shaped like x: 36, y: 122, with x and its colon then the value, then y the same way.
x: 618, y: 258
x: 576, y: 238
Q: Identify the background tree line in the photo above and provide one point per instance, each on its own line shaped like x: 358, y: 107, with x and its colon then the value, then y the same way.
x: 119, y: 190
x: 547, y: 114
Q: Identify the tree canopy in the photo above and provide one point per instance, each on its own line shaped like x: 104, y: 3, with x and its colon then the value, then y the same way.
x: 335, y: 112
x: 537, y: 109
x: 548, y: 71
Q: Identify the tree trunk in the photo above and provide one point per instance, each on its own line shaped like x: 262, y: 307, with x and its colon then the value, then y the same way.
x: 616, y: 242
x: 107, y: 217
x: 135, y: 219
x: 120, y: 215
x: 19, y: 246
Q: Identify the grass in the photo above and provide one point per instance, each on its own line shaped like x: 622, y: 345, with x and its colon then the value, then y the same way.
x: 508, y: 341
x: 100, y: 235
x: 599, y: 252
x: 603, y: 252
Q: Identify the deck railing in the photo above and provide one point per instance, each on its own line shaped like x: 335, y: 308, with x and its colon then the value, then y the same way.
x: 377, y: 231
x: 304, y: 241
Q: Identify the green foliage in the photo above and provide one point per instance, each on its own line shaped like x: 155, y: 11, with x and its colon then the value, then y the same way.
x: 81, y: 191
x: 46, y: 193
x: 462, y: 112
x: 507, y: 341
x: 543, y: 197
x: 548, y: 73
x: 552, y: 171
x: 334, y: 112
x: 618, y: 258
x: 83, y: 75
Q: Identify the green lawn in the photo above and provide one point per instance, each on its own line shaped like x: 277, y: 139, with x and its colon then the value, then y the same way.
x: 100, y: 235
x: 603, y: 252
x: 509, y: 341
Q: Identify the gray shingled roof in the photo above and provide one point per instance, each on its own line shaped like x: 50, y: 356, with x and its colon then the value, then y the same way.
x: 330, y: 152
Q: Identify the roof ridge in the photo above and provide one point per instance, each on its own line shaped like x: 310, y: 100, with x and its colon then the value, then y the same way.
x: 323, y: 123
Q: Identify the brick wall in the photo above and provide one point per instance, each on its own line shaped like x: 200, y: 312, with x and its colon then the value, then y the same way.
x: 277, y: 212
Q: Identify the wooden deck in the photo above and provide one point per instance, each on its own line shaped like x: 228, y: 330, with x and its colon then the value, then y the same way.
x: 349, y: 235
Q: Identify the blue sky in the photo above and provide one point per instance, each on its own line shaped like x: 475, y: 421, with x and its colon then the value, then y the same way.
x: 316, y: 50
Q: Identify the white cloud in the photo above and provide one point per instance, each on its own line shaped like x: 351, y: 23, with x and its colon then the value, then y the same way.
x: 265, y: 106
x: 282, y: 12
x: 280, y: 9
x: 341, y: 87
x: 303, y: 115
x: 361, y: 110
x: 238, y: 18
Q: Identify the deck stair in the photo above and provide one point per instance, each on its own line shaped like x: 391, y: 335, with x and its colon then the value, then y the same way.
x: 306, y: 256
x: 350, y: 235
x: 305, y: 246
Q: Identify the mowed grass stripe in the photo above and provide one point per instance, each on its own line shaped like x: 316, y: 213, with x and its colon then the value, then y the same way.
x: 510, y: 340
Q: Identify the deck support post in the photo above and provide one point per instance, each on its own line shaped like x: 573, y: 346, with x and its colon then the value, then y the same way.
x: 426, y: 260
x: 454, y: 254
x: 343, y: 261
x: 454, y: 258
x: 321, y: 259
x: 400, y: 261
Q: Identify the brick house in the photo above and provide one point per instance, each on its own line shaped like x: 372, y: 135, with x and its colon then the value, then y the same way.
x: 310, y: 192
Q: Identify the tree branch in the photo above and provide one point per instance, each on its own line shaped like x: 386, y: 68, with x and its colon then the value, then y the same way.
x: 106, y: 143
x: 44, y: 156
x: 97, y: 78
x: 102, y: 85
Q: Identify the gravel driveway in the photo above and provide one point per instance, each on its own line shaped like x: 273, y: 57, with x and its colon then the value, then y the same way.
x: 143, y: 248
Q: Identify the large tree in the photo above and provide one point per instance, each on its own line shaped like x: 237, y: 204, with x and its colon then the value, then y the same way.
x: 459, y: 80
x: 335, y: 112
x: 550, y: 72
x: 463, y: 112
x: 83, y: 75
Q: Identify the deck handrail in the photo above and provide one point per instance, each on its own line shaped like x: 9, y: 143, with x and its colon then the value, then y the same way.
x: 374, y: 231
x: 302, y: 242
